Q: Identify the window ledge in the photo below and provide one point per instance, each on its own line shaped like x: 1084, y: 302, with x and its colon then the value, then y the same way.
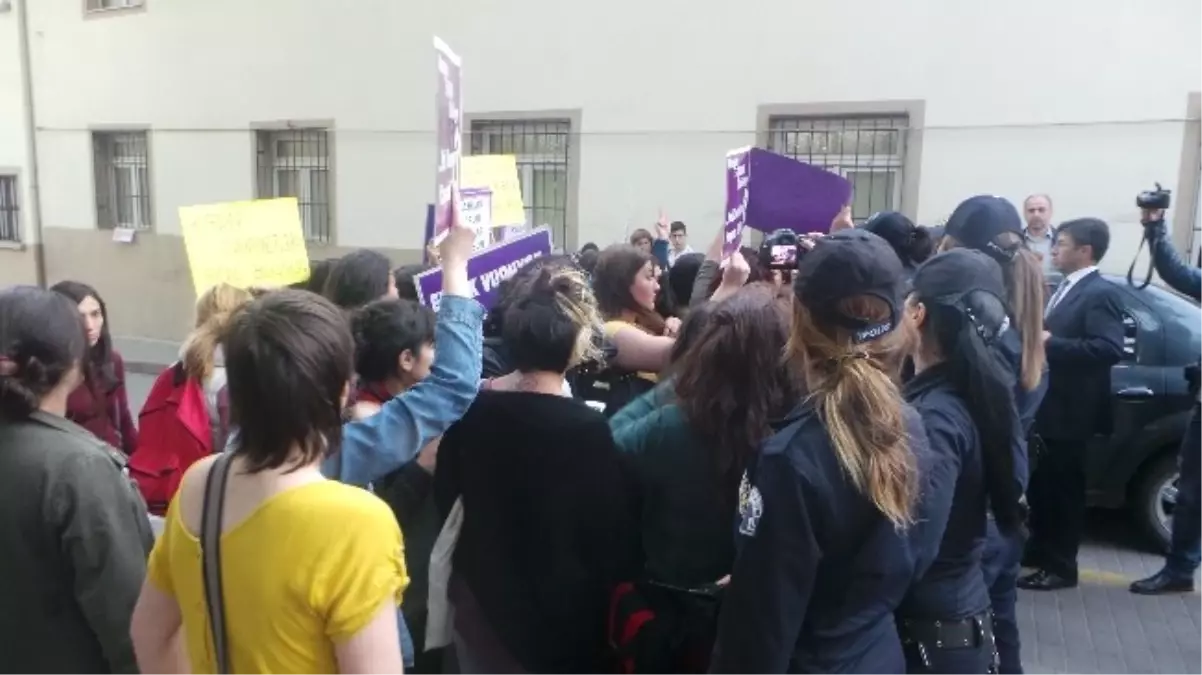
x: 11, y: 246
x: 106, y: 12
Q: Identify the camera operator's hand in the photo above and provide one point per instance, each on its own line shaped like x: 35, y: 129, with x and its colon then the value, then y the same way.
x: 1152, y: 218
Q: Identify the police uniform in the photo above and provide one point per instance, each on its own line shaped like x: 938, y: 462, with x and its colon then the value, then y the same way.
x: 977, y: 223
x: 820, y: 570
x: 945, y: 621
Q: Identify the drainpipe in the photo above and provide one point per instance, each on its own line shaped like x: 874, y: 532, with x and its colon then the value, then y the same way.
x: 31, y: 145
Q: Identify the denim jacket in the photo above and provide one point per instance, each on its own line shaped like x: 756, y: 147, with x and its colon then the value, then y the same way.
x: 375, y: 447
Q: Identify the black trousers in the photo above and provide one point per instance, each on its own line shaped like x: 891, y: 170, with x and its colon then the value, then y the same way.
x: 1056, y: 496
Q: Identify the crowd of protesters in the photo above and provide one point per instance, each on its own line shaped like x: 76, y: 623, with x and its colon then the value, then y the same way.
x: 641, y: 458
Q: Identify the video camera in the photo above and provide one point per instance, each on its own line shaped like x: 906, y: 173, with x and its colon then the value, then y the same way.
x: 779, y: 250
x: 1151, y: 200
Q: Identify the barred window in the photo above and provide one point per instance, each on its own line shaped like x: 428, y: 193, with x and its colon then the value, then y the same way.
x: 542, y: 149
x: 10, y: 212
x: 869, y: 151
x: 122, y: 167
x: 296, y: 163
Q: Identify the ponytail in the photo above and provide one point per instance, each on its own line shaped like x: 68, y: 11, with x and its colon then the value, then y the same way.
x: 985, y: 390
x: 1024, y: 285
x: 214, y: 312
x: 861, y: 406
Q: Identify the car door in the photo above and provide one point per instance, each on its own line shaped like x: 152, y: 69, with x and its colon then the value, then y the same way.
x: 1137, y: 398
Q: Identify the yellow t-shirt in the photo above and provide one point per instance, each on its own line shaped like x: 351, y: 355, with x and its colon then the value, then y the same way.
x: 308, y: 568
x: 612, y: 328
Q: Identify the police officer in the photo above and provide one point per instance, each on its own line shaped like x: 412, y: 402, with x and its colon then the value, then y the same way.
x: 956, y: 314
x: 1177, y: 576
x: 993, y: 226
x: 823, y: 555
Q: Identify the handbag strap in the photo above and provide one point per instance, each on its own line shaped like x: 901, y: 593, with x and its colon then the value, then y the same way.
x: 210, y: 546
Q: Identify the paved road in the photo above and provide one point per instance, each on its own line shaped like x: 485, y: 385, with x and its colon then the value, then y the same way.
x: 1098, y: 627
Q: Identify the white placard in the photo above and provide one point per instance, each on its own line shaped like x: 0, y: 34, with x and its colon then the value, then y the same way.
x: 476, y: 212
x: 124, y: 235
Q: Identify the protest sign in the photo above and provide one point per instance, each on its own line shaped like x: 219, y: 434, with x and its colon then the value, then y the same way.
x: 488, y: 268
x: 499, y: 174
x: 738, y: 178
x: 792, y: 195
x: 475, y: 211
x: 245, y: 244
x: 448, y: 111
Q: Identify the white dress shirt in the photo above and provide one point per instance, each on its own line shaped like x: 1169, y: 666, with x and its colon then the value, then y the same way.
x: 1066, y: 286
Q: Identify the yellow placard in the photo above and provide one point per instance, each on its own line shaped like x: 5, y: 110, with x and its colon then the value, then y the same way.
x: 244, y: 244
x: 498, y: 173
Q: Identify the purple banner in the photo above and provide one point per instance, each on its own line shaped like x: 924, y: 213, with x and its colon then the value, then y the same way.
x: 488, y: 268
x: 448, y: 111
x: 738, y: 178
x: 792, y: 195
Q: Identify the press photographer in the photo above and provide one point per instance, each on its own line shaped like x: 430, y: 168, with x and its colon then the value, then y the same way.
x: 1177, y: 575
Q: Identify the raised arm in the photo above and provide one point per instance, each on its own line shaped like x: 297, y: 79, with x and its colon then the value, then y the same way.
x: 375, y: 447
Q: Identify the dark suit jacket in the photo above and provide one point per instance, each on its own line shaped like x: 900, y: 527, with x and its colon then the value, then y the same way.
x: 1087, y: 339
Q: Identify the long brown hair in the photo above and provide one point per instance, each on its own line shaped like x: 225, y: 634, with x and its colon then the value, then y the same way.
x: 1025, y: 288
x: 616, y: 269
x: 214, y: 310
x: 730, y: 382
x: 854, y: 391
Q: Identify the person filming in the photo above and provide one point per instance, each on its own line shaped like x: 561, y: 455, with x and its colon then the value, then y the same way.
x: 1177, y: 575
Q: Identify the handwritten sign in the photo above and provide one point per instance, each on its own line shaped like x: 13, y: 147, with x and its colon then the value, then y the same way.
x: 448, y: 110
x: 475, y: 211
x: 499, y: 174
x: 245, y: 244
x: 738, y: 178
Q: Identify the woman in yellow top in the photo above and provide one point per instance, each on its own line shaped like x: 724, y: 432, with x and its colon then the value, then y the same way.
x: 313, y: 569
x: 625, y: 286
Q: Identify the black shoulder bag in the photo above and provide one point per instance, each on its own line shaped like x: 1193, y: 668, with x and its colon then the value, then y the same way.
x: 210, y: 546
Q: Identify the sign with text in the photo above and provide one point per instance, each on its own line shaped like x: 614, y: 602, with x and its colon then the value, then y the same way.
x: 498, y: 174
x: 792, y: 195
x: 738, y: 177
x: 475, y: 211
x: 244, y: 244
x: 488, y: 268
x: 448, y: 115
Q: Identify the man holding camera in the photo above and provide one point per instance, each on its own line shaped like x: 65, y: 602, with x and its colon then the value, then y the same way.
x: 1177, y: 575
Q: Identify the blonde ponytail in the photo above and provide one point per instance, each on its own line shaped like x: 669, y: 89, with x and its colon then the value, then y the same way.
x: 214, y: 310
x: 858, y: 400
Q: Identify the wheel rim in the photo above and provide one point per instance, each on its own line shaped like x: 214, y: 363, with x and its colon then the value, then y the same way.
x: 1166, y: 501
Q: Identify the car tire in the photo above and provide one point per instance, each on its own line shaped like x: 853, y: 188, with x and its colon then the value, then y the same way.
x: 1151, y: 515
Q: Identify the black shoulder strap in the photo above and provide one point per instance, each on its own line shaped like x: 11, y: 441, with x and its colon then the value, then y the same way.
x: 210, y: 546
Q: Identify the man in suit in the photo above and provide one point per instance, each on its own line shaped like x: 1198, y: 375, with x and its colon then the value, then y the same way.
x: 1083, y: 338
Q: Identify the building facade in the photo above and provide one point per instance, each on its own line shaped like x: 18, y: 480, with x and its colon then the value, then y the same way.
x: 114, y: 113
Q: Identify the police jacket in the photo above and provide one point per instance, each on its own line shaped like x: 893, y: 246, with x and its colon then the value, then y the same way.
x: 819, y: 570
x: 1009, y: 349
x: 949, y: 536
x: 75, y: 537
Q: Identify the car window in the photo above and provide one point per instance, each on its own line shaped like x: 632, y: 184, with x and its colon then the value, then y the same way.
x: 1182, y: 321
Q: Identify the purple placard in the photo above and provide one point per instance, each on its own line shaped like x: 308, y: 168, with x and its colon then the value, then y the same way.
x: 448, y: 111
x: 488, y: 268
x: 738, y: 178
x: 793, y: 195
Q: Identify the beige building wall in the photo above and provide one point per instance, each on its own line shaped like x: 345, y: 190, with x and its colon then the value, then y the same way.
x: 1010, y: 98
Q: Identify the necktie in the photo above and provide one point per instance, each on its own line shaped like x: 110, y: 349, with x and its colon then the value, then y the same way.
x: 1056, y: 297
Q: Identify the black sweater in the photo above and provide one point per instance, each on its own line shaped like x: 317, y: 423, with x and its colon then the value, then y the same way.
x: 548, y: 526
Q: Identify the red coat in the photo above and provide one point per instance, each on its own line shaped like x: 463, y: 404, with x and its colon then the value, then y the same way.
x: 105, y: 413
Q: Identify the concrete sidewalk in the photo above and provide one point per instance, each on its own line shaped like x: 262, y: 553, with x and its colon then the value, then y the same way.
x: 145, y: 356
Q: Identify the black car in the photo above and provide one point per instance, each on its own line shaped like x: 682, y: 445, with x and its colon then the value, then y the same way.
x: 1136, y: 466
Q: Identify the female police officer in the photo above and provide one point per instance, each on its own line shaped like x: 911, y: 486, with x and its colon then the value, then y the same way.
x: 963, y: 394
x: 824, y: 559
x: 992, y: 225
